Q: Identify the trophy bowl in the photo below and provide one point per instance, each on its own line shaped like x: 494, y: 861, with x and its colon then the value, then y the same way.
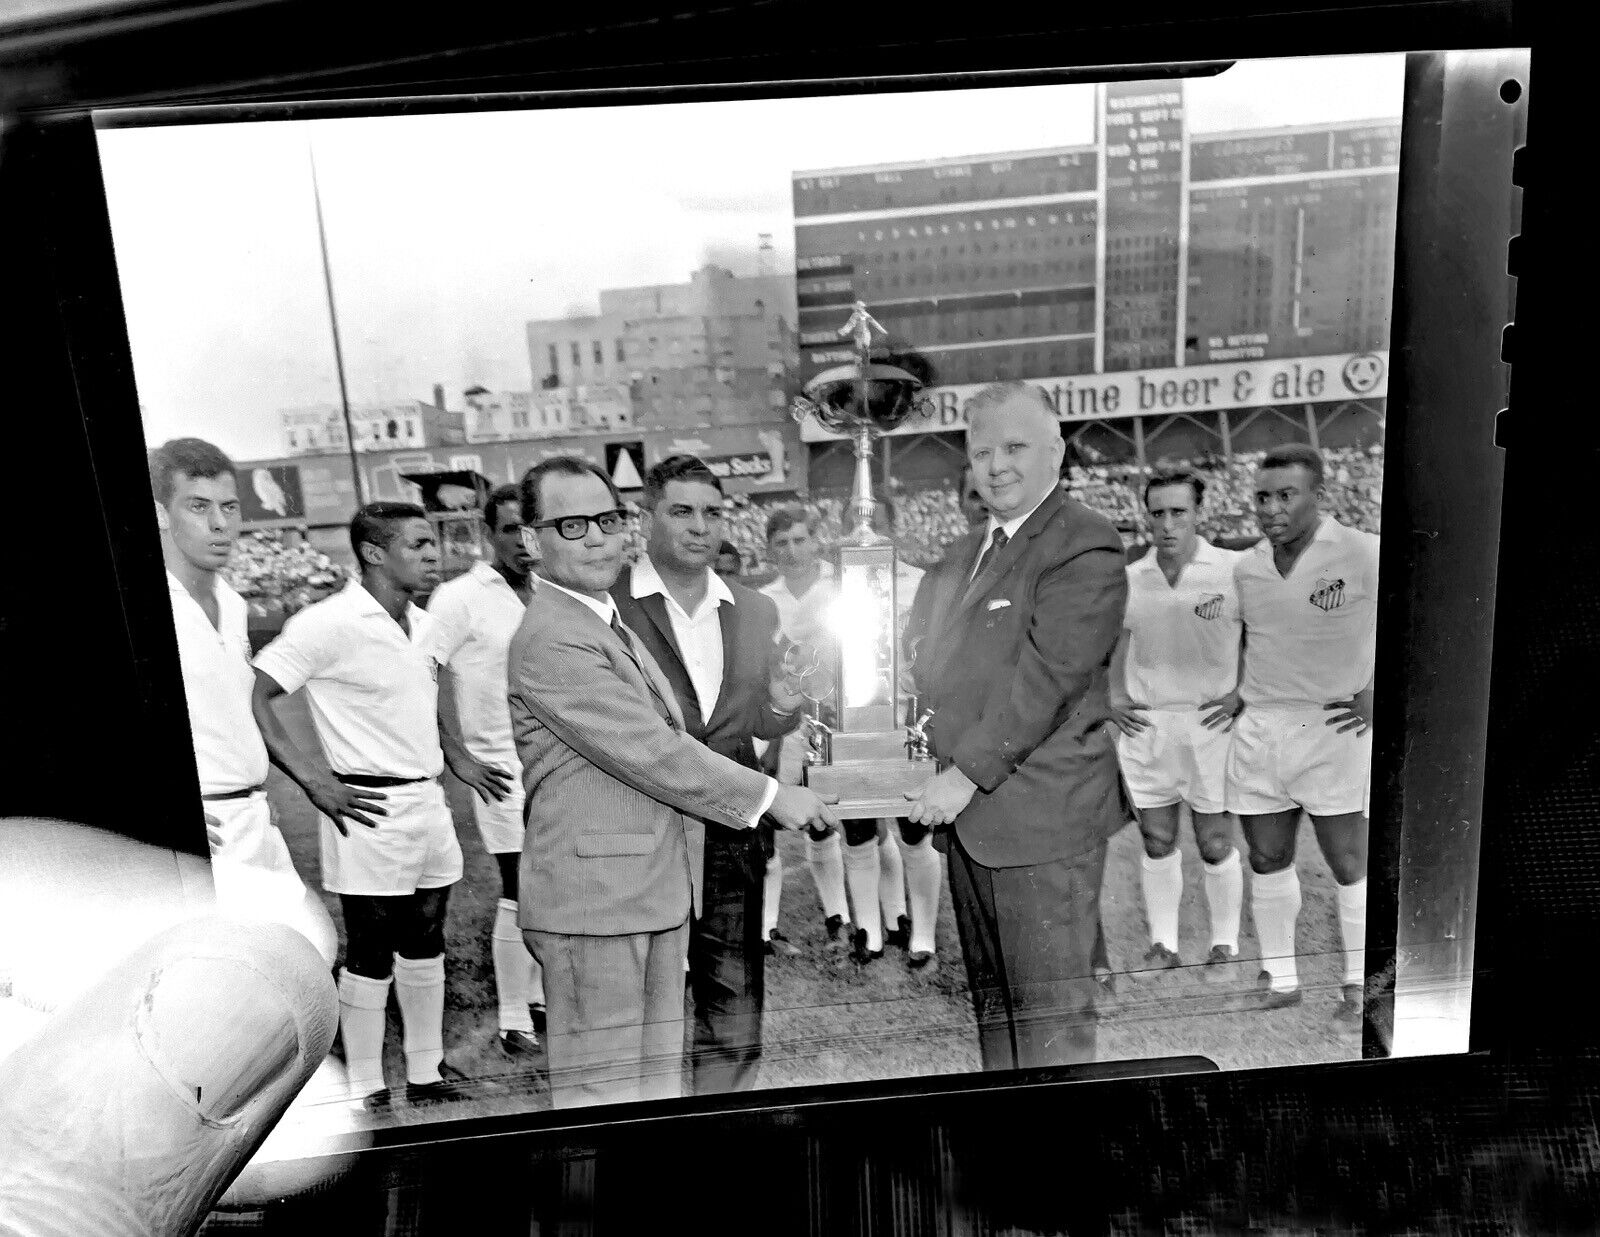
x: 834, y: 397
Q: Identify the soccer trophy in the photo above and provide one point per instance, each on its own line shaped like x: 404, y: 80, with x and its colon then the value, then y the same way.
x: 869, y: 757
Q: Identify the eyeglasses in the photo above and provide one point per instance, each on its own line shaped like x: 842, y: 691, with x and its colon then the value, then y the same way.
x: 576, y: 527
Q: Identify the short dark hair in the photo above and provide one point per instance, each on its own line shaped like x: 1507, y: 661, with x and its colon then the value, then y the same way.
x: 193, y: 457
x: 783, y: 519
x: 559, y: 466
x: 677, y: 468
x: 1176, y: 476
x: 498, y: 497
x: 727, y: 547
x: 379, y: 524
x: 1296, y: 453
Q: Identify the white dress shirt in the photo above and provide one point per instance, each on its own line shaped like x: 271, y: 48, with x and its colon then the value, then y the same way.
x: 606, y: 611
x: 474, y: 617
x: 1011, y: 526
x: 217, y: 681
x: 699, y: 635
x: 373, y: 690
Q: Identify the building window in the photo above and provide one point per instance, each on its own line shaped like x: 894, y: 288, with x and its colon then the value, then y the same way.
x: 620, y: 357
x: 555, y: 360
x: 599, y: 353
x: 411, y: 427
x: 577, y: 354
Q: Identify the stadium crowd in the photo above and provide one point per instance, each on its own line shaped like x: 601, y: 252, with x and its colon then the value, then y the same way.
x: 271, y: 573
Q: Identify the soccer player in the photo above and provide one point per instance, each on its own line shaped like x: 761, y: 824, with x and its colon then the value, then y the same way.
x: 804, y: 592
x: 389, y: 847
x: 1308, y: 596
x: 1174, y: 681
x: 474, y: 617
x: 197, y: 511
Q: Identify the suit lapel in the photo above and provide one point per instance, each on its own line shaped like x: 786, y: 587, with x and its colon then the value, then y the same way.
x: 952, y: 582
x: 728, y: 616
x: 653, y: 676
x: 1011, y: 552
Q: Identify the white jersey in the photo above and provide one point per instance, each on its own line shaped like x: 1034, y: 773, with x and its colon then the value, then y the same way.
x: 474, y: 617
x: 1183, y: 638
x: 217, y: 681
x: 804, y: 619
x: 1310, y: 638
x: 373, y: 692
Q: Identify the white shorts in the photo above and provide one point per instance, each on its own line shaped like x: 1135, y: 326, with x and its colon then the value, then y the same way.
x: 1175, y: 759
x: 500, y: 822
x: 414, y: 846
x: 255, y: 877
x: 1284, y: 759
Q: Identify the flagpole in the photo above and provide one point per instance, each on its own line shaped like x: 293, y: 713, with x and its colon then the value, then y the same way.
x: 333, y: 323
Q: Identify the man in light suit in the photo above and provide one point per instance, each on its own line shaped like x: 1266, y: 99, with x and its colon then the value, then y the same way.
x: 616, y: 791
x: 1014, y: 645
x: 716, y: 641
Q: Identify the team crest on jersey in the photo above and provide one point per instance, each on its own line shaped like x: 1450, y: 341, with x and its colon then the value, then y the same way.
x: 1329, y: 595
x: 1210, y: 606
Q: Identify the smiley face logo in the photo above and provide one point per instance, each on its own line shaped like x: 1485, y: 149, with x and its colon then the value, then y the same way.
x: 1363, y: 373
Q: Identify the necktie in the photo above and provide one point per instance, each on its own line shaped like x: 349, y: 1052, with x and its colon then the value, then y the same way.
x: 996, y: 544
x: 627, y: 643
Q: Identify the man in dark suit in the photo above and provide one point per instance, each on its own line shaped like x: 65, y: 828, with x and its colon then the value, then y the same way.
x: 1013, y: 648
x: 716, y: 642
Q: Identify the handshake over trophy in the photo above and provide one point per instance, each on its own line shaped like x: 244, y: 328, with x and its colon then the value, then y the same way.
x: 867, y: 755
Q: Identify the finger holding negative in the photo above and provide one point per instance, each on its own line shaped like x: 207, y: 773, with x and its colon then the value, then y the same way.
x: 1339, y: 718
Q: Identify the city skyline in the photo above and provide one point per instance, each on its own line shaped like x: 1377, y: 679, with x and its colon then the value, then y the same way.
x: 448, y: 233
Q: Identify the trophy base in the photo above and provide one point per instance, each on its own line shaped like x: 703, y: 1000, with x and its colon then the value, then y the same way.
x: 870, y: 774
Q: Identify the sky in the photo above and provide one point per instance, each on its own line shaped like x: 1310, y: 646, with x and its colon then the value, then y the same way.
x: 447, y: 233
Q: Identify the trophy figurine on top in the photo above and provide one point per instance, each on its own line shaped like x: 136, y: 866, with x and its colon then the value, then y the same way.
x: 868, y: 757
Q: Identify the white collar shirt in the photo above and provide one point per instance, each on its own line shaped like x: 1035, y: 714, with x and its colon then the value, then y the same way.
x: 699, y: 635
x: 605, y: 611
x: 372, y: 689
x: 1010, y: 526
x: 803, y: 618
x: 1183, y: 638
x: 217, y: 681
x: 474, y: 617
x: 1310, y: 638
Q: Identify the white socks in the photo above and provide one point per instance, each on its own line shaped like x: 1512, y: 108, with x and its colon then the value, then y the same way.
x: 861, y: 873
x: 1162, y: 882
x: 1353, y: 928
x: 771, y: 895
x: 1225, y: 897
x: 826, y: 861
x: 1275, y: 903
x: 922, y: 877
x: 518, y: 979
x: 362, y: 1013
x: 419, y: 986
x: 892, y: 878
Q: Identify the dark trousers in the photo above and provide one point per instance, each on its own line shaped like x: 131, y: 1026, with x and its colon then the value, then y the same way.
x: 1029, y: 936
x: 726, y: 978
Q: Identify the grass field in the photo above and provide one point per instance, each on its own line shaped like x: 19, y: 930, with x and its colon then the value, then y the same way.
x: 828, y: 1020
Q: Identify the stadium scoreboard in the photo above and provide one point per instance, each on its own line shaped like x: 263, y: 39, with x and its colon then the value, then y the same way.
x: 1151, y: 252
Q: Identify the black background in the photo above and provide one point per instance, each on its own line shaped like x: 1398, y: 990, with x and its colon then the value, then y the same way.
x: 1501, y: 1141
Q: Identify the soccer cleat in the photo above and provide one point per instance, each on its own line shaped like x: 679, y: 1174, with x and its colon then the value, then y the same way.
x: 923, y: 961
x: 433, y: 1092
x: 537, y: 1013
x: 1267, y: 998
x: 519, y: 1043
x: 1159, y: 958
x: 1349, y: 1007
x: 859, y: 950
x: 899, y: 937
x: 832, y: 924
x: 1218, y: 967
